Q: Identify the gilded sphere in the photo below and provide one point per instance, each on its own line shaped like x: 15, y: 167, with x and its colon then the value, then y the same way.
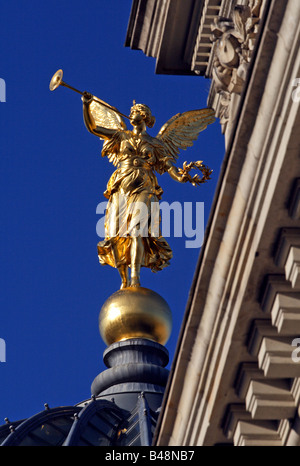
x: 135, y: 312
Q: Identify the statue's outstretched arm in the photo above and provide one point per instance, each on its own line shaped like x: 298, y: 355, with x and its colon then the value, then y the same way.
x: 174, y: 173
x: 183, y: 174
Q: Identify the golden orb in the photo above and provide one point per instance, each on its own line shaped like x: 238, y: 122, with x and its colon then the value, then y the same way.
x: 135, y: 312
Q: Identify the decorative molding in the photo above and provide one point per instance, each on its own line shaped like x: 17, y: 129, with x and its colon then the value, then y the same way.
x: 258, y: 433
x: 285, y: 314
x: 203, y: 46
x: 292, y: 267
x: 247, y: 372
x: 281, y: 298
x: 235, y: 413
x: 260, y: 329
x: 275, y: 358
x: 264, y: 398
x: 270, y: 399
x: 295, y: 390
x: 234, y: 38
x: 288, y: 237
x: 273, y: 285
x: 273, y: 352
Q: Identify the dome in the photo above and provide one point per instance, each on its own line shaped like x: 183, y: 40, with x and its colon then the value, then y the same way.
x: 91, y: 423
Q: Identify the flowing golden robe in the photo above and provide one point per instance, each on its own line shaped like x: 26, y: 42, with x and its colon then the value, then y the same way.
x: 133, y: 187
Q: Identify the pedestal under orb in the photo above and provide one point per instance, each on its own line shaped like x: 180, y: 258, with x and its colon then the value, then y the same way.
x: 135, y: 312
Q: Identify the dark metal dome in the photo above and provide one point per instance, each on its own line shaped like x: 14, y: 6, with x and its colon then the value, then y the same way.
x: 122, y: 411
x: 96, y: 423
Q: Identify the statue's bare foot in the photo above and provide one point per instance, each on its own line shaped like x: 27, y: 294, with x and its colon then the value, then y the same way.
x: 135, y: 282
x: 123, y: 270
x: 124, y: 284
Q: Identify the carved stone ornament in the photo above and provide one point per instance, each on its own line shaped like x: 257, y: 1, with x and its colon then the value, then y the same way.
x: 234, y: 38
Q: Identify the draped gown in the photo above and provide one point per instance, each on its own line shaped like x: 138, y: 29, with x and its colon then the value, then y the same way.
x: 133, y: 208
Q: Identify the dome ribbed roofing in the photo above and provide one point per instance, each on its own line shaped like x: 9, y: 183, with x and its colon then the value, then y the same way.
x: 97, y: 422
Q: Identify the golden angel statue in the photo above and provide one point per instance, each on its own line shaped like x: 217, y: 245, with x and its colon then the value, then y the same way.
x: 137, y: 156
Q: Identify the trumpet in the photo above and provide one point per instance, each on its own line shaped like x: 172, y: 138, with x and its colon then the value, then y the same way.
x: 57, y: 81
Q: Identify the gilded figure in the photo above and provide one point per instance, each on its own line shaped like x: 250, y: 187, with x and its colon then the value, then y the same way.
x: 138, y: 157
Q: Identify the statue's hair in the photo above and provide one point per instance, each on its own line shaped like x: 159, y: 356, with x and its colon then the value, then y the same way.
x: 146, y: 112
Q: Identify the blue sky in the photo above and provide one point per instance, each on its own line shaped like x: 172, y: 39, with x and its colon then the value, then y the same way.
x: 53, y: 178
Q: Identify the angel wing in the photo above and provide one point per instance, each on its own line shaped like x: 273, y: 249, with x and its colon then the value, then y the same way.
x: 183, y: 129
x: 106, y: 117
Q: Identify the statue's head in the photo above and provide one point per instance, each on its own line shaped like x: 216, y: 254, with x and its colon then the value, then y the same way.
x: 145, y: 113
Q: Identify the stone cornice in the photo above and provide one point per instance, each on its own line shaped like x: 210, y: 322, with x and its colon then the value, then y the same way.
x: 165, y: 30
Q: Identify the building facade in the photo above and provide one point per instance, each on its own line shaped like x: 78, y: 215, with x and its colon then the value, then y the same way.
x: 235, y: 374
